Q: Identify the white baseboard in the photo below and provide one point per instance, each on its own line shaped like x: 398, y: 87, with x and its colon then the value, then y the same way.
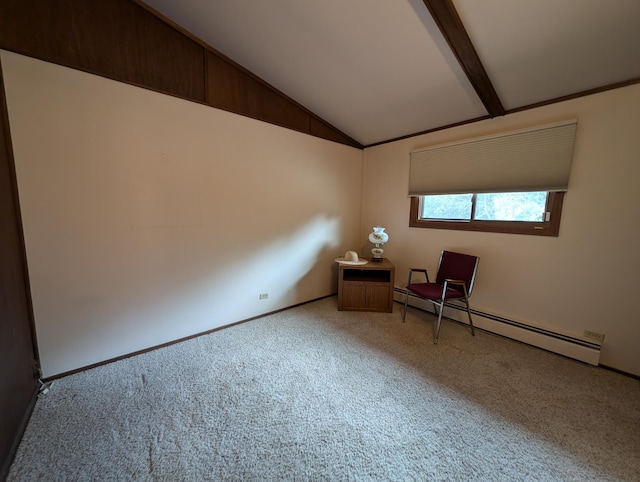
x: 572, y: 346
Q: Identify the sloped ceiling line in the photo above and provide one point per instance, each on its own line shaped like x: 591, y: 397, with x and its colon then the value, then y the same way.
x: 446, y: 17
x: 382, y: 71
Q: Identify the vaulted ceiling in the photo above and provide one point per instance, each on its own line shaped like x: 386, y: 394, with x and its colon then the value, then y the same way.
x: 380, y: 70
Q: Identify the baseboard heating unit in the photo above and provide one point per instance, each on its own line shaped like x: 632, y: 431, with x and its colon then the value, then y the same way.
x: 571, y: 346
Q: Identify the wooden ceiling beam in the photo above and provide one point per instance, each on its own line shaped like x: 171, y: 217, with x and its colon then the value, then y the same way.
x: 446, y: 17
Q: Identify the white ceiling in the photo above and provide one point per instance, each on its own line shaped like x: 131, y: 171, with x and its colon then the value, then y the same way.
x: 379, y: 69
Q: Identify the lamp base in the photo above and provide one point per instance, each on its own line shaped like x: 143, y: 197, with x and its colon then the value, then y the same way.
x: 377, y: 254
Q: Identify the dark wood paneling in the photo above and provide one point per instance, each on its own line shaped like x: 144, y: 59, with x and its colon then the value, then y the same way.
x: 128, y: 41
x: 113, y: 38
x: 18, y: 379
x: 317, y: 127
x: 232, y: 89
x: 446, y: 17
x: 322, y: 129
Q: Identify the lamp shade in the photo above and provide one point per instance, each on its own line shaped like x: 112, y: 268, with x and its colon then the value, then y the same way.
x: 378, y: 236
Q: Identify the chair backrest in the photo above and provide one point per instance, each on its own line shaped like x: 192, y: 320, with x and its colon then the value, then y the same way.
x: 458, y: 266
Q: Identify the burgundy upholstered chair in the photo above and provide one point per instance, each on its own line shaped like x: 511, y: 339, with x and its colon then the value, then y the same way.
x: 454, y: 281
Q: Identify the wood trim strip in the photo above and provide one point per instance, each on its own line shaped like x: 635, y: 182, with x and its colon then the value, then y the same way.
x: 446, y: 17
x: 596, y: 90
x: 584, y: 93
x: 429, y: 131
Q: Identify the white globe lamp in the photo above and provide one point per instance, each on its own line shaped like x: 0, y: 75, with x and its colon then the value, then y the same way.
x: 378, y: 237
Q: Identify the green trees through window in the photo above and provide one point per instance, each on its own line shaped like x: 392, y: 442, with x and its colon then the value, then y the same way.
x: 507, y: 206
x: 536, y: 213
x: 447, y: 206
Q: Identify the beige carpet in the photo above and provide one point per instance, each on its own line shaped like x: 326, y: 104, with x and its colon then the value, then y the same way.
x: 316, y: 394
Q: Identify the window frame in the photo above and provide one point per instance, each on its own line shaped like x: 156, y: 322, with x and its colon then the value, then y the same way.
x: 543, y: 228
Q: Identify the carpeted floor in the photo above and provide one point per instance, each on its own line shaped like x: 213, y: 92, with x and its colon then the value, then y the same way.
x: 316, y: 394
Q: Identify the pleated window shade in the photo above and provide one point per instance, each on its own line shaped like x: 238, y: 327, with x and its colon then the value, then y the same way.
x: 537, y: 159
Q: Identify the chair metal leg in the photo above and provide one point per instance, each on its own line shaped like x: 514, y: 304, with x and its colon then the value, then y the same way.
x: 439, y: 312
x: 439, y: 309
x: 466, y: 302
x: 406, y: 301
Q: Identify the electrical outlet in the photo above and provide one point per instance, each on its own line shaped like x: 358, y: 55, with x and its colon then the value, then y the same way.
x: 264, y: 296
x: 594, y: 335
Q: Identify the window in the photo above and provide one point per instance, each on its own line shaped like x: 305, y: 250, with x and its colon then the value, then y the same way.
x: 535, y: 213
x: 510, y: 182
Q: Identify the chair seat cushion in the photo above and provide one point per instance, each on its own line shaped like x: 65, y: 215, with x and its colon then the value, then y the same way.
x: 433, y: 291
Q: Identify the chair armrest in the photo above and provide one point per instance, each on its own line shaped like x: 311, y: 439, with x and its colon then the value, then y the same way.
x: 450, y: 281
x: 454, y: 281
x: 417, y: 270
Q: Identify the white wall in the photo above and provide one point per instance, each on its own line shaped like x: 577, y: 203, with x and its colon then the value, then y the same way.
x: 585, y: 279
x: 148, y: 218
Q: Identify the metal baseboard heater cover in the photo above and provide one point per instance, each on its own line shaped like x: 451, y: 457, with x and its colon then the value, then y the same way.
x: 563, y: 344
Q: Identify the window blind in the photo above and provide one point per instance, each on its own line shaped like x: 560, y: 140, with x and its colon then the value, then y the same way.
x: 537, y: 159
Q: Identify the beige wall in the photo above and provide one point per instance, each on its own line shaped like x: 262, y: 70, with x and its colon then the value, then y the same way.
x: 587, y: 278
x: 148, y: 218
